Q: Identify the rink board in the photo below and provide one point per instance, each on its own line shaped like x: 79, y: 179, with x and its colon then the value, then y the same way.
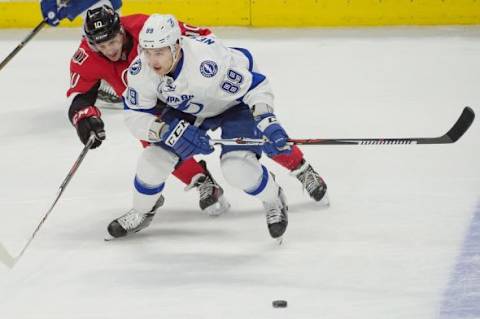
x: 275, y: 13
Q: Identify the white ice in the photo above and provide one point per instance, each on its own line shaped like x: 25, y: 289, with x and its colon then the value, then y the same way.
x: 384, y: 249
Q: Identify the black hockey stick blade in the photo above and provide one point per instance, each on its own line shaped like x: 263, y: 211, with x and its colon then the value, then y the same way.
x: 461, y: 126
x: 454, y: 134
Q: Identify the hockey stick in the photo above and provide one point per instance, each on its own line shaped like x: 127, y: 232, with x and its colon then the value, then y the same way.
x: 457, y: 130
x: 23, y: 43
x: 8, y: 259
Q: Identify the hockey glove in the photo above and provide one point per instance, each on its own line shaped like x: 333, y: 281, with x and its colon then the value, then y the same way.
x: 51, y: 13
x: 186, y: 140
x: 277, y: 137
x: 88, y: 121
x: 54, y: 11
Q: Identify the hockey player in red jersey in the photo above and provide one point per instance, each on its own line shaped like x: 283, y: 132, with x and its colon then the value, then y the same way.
x: 105, y: 52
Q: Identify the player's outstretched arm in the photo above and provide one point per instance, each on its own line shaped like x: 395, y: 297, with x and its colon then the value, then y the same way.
x: 54, y: 11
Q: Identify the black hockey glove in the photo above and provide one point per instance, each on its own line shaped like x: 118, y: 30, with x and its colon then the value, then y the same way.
x: 88, y: 121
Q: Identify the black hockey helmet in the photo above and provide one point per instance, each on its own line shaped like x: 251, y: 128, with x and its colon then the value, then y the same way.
x: 101, y: 24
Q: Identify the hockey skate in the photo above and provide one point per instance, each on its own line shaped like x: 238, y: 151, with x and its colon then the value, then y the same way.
x: 277, y: 218
x: 212, y: 200
x: 133, y: 221
x: 107, y: 98
x: 312, y: 183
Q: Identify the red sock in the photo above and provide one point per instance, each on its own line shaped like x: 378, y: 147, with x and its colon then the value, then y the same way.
x: 187, y: 169
x: 145, y: 144
x: 290, y: 161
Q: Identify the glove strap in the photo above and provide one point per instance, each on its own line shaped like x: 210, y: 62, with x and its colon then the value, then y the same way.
x: 266, y: 122
x: 85, y: 113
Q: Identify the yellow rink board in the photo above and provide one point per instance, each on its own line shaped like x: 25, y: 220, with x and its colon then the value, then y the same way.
x: 18, y: 14
x: 274, y: 13
x: 364, y: 12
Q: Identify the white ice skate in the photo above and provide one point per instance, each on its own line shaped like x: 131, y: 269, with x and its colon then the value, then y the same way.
x: 133, y: 221
x: 276, y: 214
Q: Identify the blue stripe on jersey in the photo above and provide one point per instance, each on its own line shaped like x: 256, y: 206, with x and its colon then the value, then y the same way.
x: 152, y: 111
x: 248, y: 55
x: 146, y: 189
x: 262, y: 185
x: 257, y: 78
x: 179, y: 67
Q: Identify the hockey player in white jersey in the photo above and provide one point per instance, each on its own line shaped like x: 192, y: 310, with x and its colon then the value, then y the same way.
x: 205, y: 86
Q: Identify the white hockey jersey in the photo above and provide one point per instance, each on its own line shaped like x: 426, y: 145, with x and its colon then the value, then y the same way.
x: 208, y: 80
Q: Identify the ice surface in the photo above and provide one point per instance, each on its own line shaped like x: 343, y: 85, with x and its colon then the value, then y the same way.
x: 386, y: 248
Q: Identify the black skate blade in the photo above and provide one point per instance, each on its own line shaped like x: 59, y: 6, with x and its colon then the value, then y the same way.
x: 109, y: 238
x: 324, y: 202
x: 219, y: 208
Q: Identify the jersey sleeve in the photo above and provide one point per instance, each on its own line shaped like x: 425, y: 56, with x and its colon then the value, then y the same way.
x: 240, y: 80
x: 140, y: 100
x: 193, y: 31
x: 83, y: 75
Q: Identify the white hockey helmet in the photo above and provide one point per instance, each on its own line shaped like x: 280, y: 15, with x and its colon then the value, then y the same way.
x: 159, y: 31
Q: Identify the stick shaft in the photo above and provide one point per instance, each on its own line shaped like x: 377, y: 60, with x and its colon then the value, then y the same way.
x: 9, y: 260
x: 22, y: 44
x: 456, y: 131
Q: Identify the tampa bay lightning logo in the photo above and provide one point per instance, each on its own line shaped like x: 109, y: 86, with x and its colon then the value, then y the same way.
x: 208, y: 68
x: 190, y: 107
x: 136, y: 67
x: 184, y: 103
x: 166, y: 85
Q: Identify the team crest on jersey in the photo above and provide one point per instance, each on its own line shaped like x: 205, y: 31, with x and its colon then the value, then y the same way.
x: 80, y: 56
x: 166, y: 85
x: 208, y: 68
x: 136, y: 67
x: 184, y: 103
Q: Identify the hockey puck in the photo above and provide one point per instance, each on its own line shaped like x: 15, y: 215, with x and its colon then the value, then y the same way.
x: 279, y: 304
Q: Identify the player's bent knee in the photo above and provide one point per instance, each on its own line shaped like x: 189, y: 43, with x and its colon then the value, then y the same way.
x: 155, y: 165
x: 241, y: 169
